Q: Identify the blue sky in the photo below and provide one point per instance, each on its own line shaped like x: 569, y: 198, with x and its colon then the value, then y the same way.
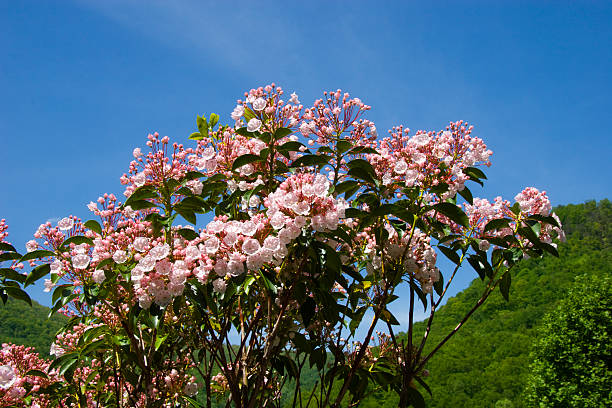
x: 83, y: 82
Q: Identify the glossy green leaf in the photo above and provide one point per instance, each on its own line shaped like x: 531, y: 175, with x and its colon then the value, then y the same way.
x: 77, y: 240
x: 311, y: 160
x: 202, y: 125
x: 454, y: 212
x: 196, y: 136
x: 12, y: 274
x: 41, y: 253
x: 504, y: 285
x: 94, y: 226
x: 17, y: 293
x: 4, y: 246
x: 245, y: 159
x: 37, y: 273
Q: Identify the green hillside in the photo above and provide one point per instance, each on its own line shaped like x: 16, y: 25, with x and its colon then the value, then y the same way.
x: 487, y: 362
x: 22, y: 324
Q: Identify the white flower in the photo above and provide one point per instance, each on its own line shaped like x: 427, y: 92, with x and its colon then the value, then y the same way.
x: 250, y: 246
x: 160, y: 252
x: 65, y: 224
x: 190, y: 389
x: 195, y: 186
x: 120, y: 256
x: 56, y: 350
x: 400, y: 167
x: 254, y: 125
x: 238, y: 112
x: 48, y: 285
x: 139, y: 179
x: 7, y: 377
x: 259, y: 104
x: 80, y: 261
x: 136, y: 153
x: 92, y: 206
x: 141, y: 244
x: 99, y: 276
x: 129, y: 212
x: 294, y: 99
x: 484, y: 245
x: 31, y: 245
x: 212, y: 245
x: 208, y: 153
x: 219, y: 285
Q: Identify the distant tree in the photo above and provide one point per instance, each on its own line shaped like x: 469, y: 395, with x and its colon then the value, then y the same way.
x: 572, y: 356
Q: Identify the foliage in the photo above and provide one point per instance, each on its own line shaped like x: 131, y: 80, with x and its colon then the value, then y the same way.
x: 304, y: 242
x: 572, y: 357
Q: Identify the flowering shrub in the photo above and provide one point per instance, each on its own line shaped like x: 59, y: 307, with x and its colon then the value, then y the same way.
x: 316, y: 222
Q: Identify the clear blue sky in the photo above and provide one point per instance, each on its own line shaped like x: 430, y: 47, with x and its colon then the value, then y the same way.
x: 83, y: 82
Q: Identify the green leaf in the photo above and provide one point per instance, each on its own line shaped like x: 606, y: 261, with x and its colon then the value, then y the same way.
x: 196, y: 136
x: 244, y: 132
x: 4, y: 246
x: 282, y: 132
x: 17, y: 293
x: 363, y: 150
x: 467, y: 195
x: 450, y: 254
x: 187, y: 214
x: 453, y: 212
x: 307, y: 310
x: 290, y: 147
x: 187, y: 233
x: 362, y: 164
x: 12, y: 274
x: 387, y: 316
x: 9, y: 256
x: 362, y: 174
x: 504, y: 285
x: 202, y: 125
x: 94, y: 226
x: 245, y: 159
x: 213, y: 119
x: 343, y: 146
x: 160, y: 340
x: 311, y: 160
x: 141, y: 204
x: 267, y: 283
x: 37, y: 273
x: 439, y: 284
x: 37, y: 373
x: 77, y: 240
x: 415, y: 398
x: 41, y: 253
x: 497, y: 224
x: 474, y: 172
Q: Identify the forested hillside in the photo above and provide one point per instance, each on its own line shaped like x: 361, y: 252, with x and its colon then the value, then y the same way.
x: 487, y: 362
x: 22, y: 324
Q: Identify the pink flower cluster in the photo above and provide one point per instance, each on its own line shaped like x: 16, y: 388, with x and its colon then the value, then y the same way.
x: 15, y: 362
x: 266, y: 110
x: 336, y: 114
x: 531, y: 202
x: 303, y: 199
x: 428, y: 159
x: 414, y: 253
x: 158, y: 166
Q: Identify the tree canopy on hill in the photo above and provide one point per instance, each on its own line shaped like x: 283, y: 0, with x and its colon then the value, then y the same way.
x: 22, y: 324
x: 573, y: 355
